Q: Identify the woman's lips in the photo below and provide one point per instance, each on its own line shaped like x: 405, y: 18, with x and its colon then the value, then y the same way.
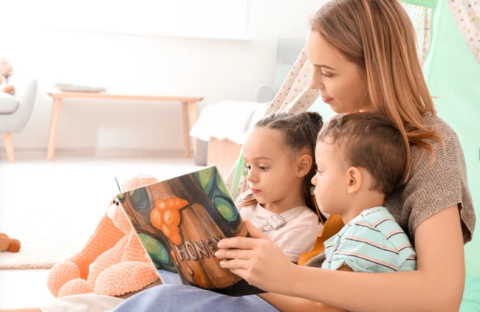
x: 255, y: 191
x: 326, y: 100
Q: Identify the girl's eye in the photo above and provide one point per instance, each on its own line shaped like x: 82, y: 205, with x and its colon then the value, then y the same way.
x: 325, y: 75
x: 263, y: 168
x: 247, y: 167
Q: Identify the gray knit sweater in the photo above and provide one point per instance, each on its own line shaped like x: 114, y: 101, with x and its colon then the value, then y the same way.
x: 431, y: 189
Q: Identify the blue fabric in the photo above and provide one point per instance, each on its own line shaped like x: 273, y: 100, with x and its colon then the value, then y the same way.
x: 188, y: 298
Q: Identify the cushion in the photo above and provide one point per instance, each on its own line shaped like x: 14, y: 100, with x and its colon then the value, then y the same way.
x: 8, y: 104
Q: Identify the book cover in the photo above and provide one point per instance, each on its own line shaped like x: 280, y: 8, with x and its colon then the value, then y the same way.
x: 180, y: 222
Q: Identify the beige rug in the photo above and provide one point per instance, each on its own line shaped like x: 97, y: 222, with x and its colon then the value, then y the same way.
x: 43, y: 247
x: 35, y: 256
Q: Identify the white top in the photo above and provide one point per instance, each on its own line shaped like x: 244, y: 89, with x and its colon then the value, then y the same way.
x: 297, y: 236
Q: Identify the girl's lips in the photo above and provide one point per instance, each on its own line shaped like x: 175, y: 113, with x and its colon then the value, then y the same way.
x: 255, y: 191
x: 326, y: 100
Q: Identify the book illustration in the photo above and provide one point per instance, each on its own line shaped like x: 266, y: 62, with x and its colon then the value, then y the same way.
x: 180, y: 222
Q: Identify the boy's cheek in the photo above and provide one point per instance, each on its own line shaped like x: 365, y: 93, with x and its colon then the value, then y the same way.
x: 317, y: 193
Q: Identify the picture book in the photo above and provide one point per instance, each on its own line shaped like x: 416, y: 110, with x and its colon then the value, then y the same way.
x: 180, y: 222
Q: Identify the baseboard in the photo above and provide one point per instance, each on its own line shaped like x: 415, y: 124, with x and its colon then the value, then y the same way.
x: 39, y: 153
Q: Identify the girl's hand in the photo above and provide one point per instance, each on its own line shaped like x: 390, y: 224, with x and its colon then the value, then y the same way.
x: 257, y: 260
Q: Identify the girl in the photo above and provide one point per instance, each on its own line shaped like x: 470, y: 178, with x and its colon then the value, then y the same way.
x: 279, y: 157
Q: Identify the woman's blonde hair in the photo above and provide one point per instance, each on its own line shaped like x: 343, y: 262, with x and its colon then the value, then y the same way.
x: 379, y: 37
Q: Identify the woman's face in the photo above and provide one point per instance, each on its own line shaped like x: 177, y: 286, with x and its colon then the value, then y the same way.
x: 340, y: 83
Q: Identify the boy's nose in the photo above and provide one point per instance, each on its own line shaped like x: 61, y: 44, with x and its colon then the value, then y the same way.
x: 314, y: 180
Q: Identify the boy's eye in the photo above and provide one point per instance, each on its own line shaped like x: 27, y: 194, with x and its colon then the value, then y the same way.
x: 319, y: 171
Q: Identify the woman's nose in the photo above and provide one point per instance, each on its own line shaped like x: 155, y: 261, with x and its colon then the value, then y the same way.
x: 316, y: 83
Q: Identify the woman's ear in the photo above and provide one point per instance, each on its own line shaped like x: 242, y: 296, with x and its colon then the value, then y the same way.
x: 354, y: 180
x: 305, y: 163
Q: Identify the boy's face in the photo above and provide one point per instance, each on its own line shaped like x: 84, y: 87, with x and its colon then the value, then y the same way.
x: 271, y: 174
x: 331, y: 179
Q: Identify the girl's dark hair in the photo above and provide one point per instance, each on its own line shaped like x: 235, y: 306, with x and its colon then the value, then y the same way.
x: 299, y: 131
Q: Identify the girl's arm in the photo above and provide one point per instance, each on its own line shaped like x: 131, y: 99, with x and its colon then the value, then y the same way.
x: 437, y: 285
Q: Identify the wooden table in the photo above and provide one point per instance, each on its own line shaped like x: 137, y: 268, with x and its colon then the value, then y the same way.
x: 189, y: 112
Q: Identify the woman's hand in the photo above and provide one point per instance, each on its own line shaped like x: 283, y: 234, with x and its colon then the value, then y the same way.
x: 257, y: 260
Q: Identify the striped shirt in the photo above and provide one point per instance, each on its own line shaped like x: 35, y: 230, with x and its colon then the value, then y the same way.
x: 371, y: 242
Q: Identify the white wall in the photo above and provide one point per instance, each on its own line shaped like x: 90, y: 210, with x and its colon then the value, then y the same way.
x: 212, y: 68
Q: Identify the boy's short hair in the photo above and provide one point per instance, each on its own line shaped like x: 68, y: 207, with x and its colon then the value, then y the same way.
x: 370, y: 141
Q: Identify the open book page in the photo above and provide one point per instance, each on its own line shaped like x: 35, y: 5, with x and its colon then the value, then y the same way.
x: 180, y: 222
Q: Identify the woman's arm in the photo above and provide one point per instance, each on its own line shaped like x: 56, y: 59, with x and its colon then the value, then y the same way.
x: 294, y: 304
x: 437, y: 285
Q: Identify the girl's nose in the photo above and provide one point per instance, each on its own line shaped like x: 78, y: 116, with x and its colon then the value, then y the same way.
x: 251, y: 177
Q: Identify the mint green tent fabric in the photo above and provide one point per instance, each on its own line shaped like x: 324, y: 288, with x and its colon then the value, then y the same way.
x: 471, y: 295
x: 453, y: 74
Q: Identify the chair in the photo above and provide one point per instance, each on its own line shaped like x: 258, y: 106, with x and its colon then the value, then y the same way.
x: 15, y: 110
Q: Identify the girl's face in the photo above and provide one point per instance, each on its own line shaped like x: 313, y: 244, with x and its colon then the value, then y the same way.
x: 340, y: 83
x: 271, y: 171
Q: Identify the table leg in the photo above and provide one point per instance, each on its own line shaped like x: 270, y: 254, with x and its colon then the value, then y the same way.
x: 186, y: 137
x: 7, y: 139
x: 192, y: 117
x: 56, y: 108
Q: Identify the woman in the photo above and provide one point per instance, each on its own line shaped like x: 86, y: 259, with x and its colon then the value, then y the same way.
x: 364, y: 56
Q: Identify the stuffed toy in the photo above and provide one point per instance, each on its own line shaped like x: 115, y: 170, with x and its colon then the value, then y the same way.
x: 113, y: 262
x: 6, y: 70
x: 6, y: 243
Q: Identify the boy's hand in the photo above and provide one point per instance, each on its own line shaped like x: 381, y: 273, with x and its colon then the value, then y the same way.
x: 257, y: 260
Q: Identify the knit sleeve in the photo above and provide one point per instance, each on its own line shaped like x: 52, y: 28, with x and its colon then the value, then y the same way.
x: 432, y: 188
